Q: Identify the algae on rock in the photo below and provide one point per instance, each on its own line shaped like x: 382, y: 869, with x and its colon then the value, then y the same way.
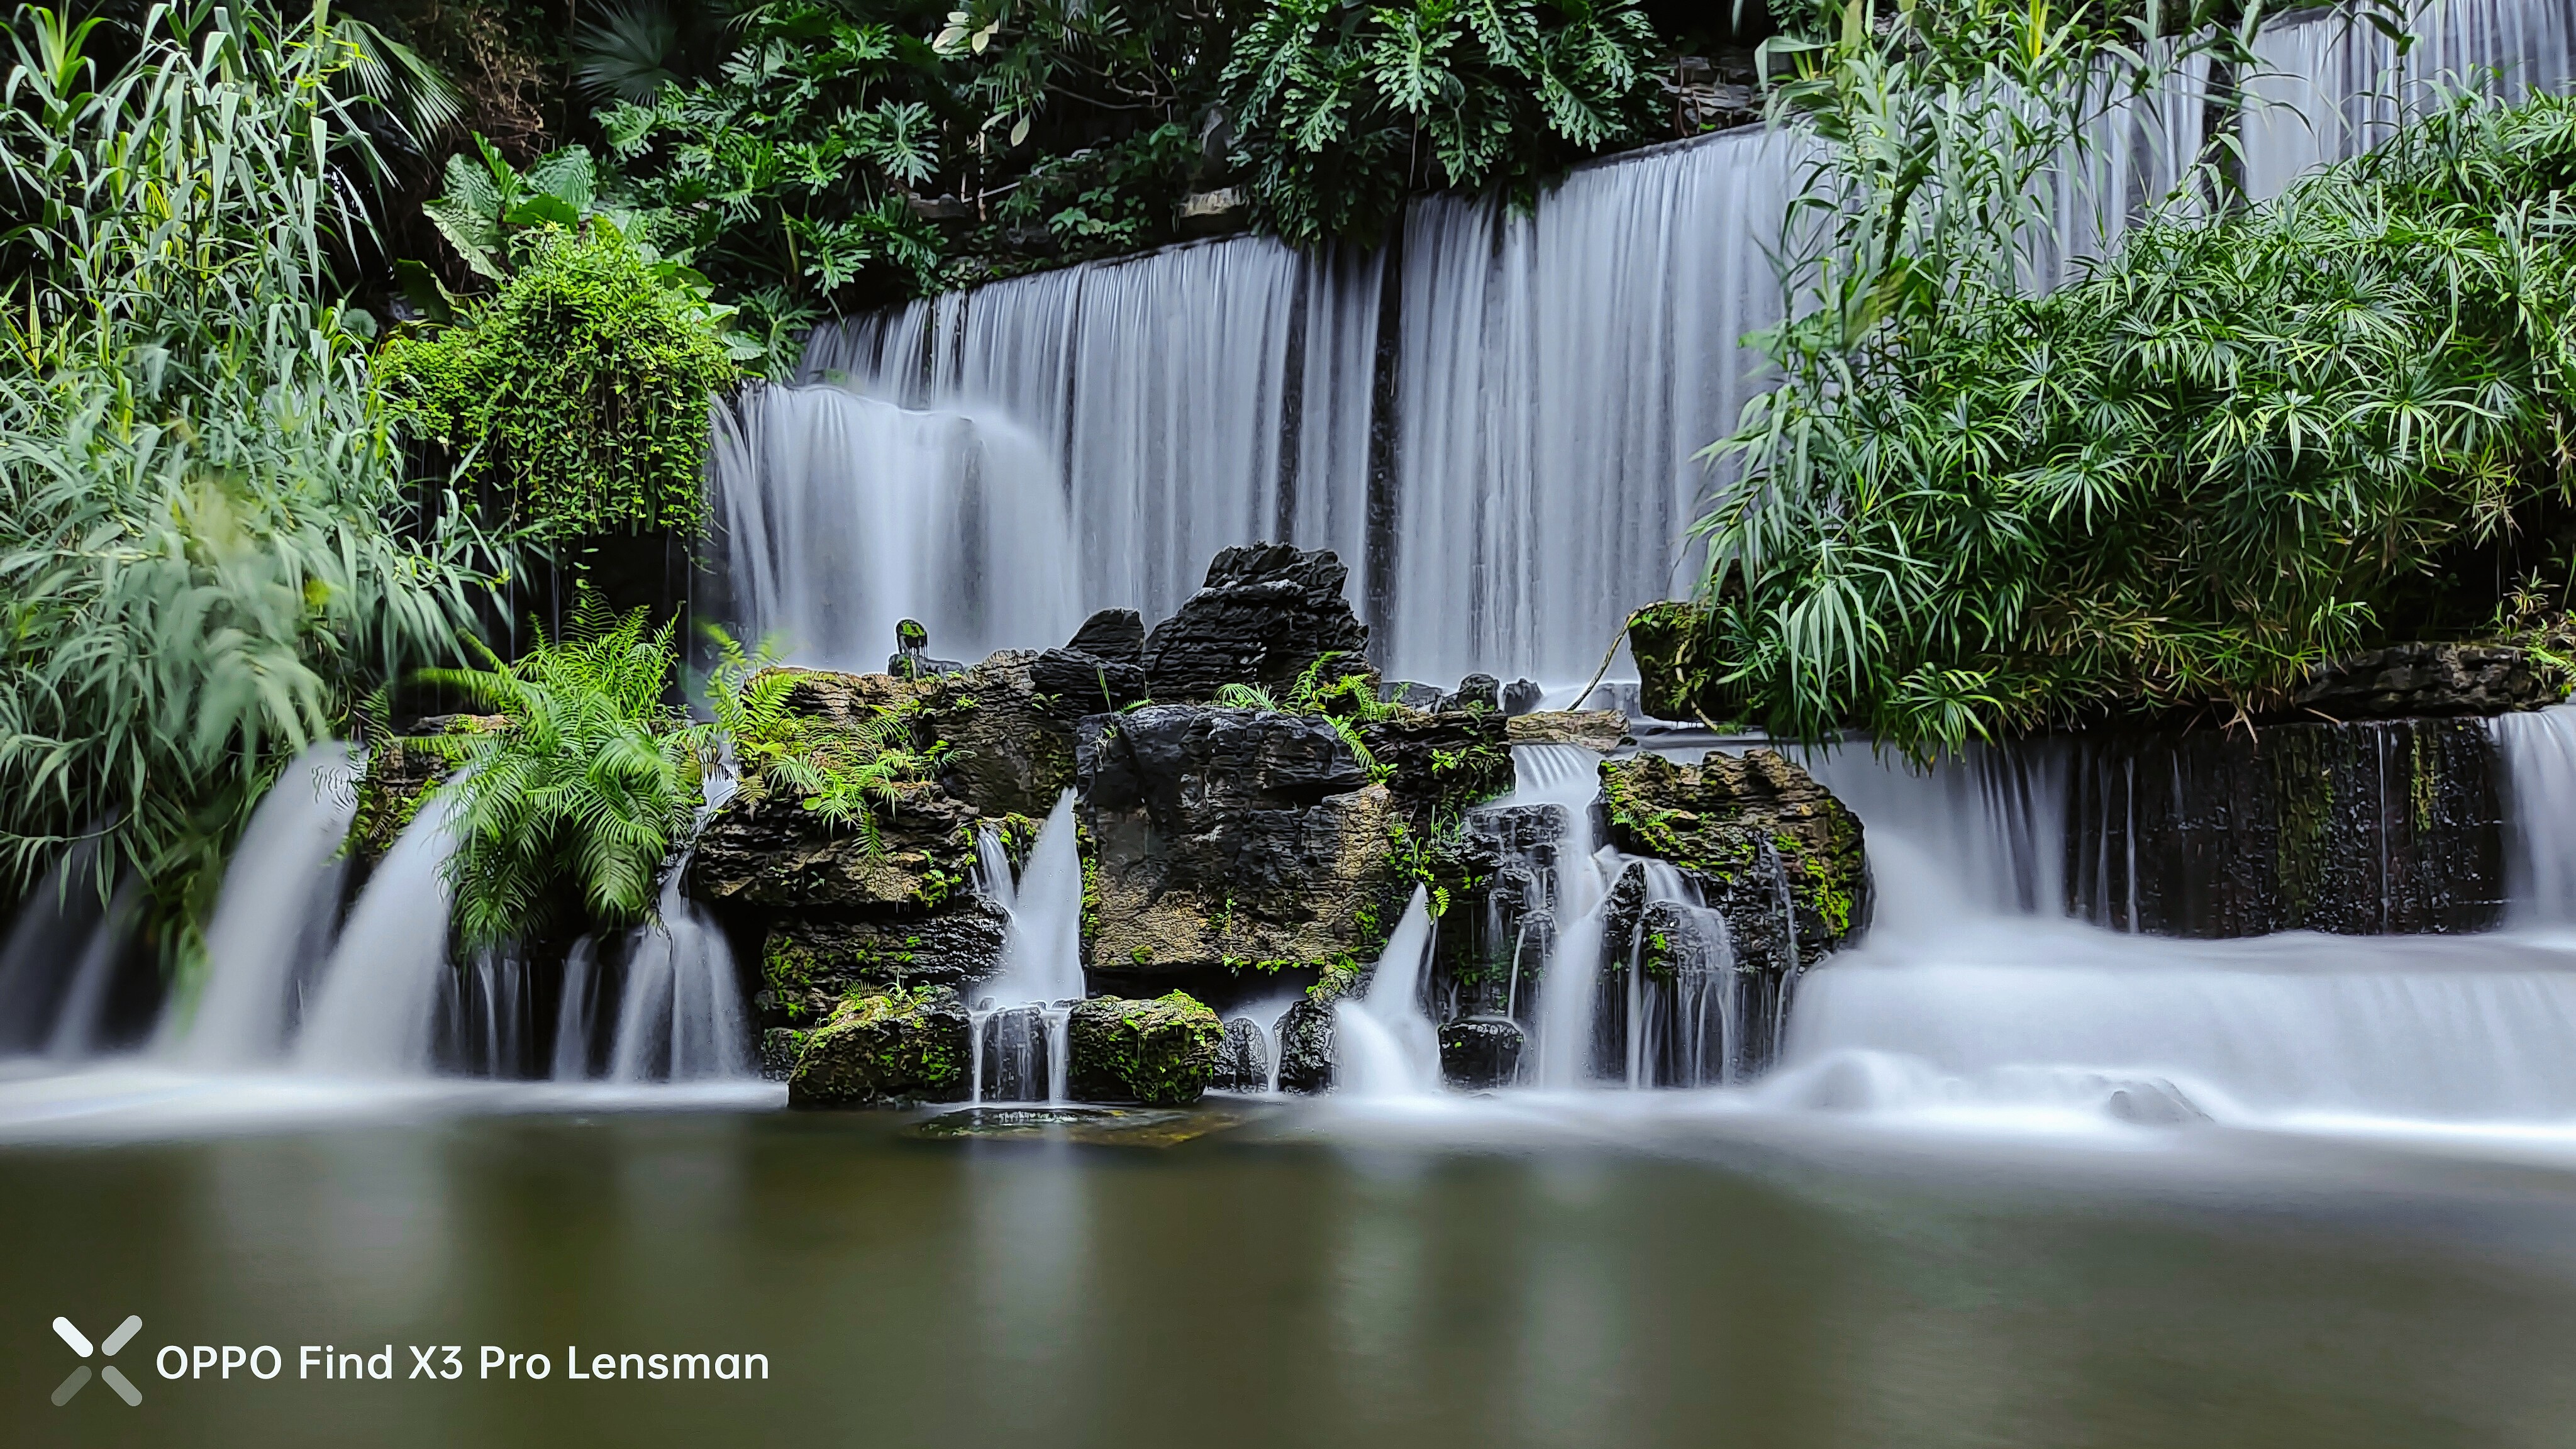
x: 1160, y: 1052
x: 885, y: 1047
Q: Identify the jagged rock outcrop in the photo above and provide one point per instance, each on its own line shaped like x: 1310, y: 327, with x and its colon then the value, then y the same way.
x: 1009, y: 724
x: 767, y: 851
x: 2429, y: 680
x: 1522, y: 696
x: 1160, y: 1052
x: 1228, y: 838
x: 1476, y: 691
x: 1267, y: 612
x: 1750, y: 829
x: 808, y: 964
x: 1441, y: 763
x: 1116, y: 635
x: 884, y: 1048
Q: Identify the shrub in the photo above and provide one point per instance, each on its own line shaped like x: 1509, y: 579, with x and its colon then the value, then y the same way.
x: 578, y: 393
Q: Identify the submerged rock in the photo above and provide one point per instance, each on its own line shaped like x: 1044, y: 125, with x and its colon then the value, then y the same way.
x: 1116, y: 635
x: 1306, y: 1032
x: 1160, y: 1052
x: 1481, y: 1052
x: 1228, y: 838
x: 807, y: 965
x: 883, y: 1048
x: 1752, y: 830
x: 1243, y: 1059
x: 1267, y: 612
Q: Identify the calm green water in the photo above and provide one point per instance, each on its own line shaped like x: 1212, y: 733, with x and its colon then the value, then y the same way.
x: 1274, y: 1284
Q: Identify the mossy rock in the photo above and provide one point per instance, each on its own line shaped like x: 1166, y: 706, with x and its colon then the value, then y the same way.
x: 1748, y: 825
x: 1159, y: 1052
x: 885, y: 1048
x: 399, y: 778
x: 1677, y: 667
x: 807, y: 965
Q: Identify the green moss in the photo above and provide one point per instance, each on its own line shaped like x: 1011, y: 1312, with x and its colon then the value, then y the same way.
x: 1159, y: 1052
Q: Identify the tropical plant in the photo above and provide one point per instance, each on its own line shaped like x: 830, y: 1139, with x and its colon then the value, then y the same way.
x: 1340, y: 109
x: 2185, y: 477
x: 206, y: 547
x: 584, y: 790
x: 786, y: 174
x: 1346, y: 700
x: 578, y: 394
x: 492, y: 212
x: 845, y: 771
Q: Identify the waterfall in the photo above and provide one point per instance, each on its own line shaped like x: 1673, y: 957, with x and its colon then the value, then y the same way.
x: 380, y: 989
x: 1016, y: 1032
x: 879, y: 514
x: 1384, y: 1044
x: 681, y: 1016
x: 53, y: 927
x: 273, y: 919
x: 80, y: 1024
x: 1493, y: 421
x: 574, y: 1012
x: 2539, y: 750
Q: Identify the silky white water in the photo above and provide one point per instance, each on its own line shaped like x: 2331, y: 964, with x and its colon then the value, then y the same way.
x: 681, y: 1016
x: 1023, y: 1012
x: 1384, y: 1042
x: 380, y: 988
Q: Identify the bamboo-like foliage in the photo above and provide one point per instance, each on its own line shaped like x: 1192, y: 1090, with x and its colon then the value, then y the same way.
x: 2182, y: 477
x: 205, y: 546
x: 584, y: 792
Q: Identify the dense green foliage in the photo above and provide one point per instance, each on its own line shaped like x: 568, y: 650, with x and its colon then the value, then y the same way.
x: 584, y: 792
x: 578, y: 393
x: 206, y: 549
x: 842, y: 770
x: 2186, y: 476
x: 1341, y: 110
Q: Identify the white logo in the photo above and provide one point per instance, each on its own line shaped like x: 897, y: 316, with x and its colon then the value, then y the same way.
x: 114, y: 1378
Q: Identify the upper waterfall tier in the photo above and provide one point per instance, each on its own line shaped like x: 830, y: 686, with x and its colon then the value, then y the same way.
x: 1496, y: 418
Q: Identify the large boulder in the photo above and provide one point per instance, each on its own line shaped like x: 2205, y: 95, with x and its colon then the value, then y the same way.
x: 1243, y: 1059
x: 1747, y: 828
x: 1009, y: 724
x: 1229, y: 838
x: 1117, y: 635
x: 1159, y: 1052
x: 1479, y: 1053
x: 885, y: 1048
x: 808, y: 965
x: 765, y: 850
x: 1268, y: 611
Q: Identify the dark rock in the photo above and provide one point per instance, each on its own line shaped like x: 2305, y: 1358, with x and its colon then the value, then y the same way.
x: 2392, y: 826
x: 2429, y: 679
x: 1522, y: 696
x: 1243, y: 1059
x: 1605, y: 730
x: 885, y: 1048
x: 1158, y: 1052
x: 762, y: 850
x: 807, y: 965
x: 1476, y: 691
x: 1009, y: 724
x: 778, y: 1047
x: 1409, y: 694
x: 1481, y: 1052
x: 1306, y: 1032
x: 1015, y: 1050
x: 1228, y: 838
x: 1268, y: 611
x: 1443, y: 762
x: 1747, y: 828
x: 906, y: 666
x: 1117, y: 635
